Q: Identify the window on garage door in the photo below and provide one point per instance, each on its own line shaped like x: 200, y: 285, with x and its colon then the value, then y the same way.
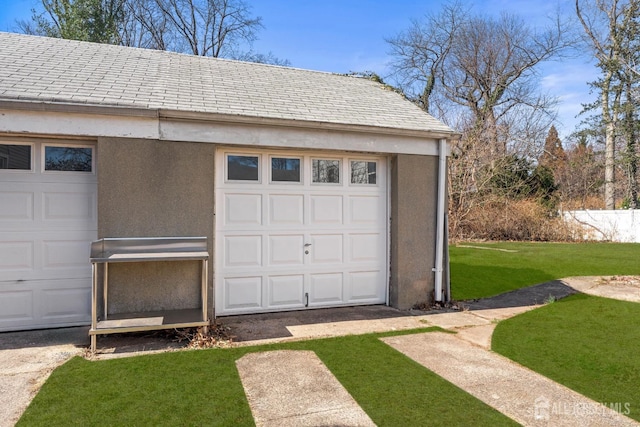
x: 16, y: 157
x: 65, y: 158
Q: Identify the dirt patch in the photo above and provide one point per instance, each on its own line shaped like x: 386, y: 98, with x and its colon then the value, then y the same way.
x: 625, y: 288
x: 132, y: 343
x: 630, y: 281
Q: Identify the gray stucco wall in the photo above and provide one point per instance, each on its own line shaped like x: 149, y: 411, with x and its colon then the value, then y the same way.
x: 413, y: 229
x: 152, y: 188
x: 158, y: 188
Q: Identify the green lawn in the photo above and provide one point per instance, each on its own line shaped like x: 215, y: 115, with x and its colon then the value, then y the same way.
x: 203, y: 388
x: 587, y: 343
x: 477, y: 273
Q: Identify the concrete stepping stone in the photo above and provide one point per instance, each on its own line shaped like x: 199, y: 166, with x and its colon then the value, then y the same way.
x: 294, y: 388
x: 521, y: 394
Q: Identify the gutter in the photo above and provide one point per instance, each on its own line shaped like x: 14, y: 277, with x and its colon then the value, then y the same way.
x: 76, y: 108
x: 302, y: 124
x: 440, y: 221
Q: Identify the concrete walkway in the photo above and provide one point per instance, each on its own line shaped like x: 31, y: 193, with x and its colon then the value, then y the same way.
x: 27, y: 359
x: 465, y: 359
x: 294, y: 388
x: 521, y: 394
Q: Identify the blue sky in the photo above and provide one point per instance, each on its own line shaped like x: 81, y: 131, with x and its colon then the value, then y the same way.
x: 349, y: 35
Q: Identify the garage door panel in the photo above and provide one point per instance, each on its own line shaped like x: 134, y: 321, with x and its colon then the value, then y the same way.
x: 243, y: 209
x: 44, y: 303
x: 68, y: 254
x: 243, y: 251
x: 66, y: 304
x: 16, y: 206
x: 366, y: 210
x: 365, y: 286
x: 16, y: 307
x: 43, y: 255
x: 68, y: 206
x: 286, y: 209
x: 64, y: 254
x: 286, y: 250
x: 326, y: 210
x: 326, y: 248
x: 325, y: 288
x: 242, y: 293
x: 286, y: 291
x: 366, y: 247
x: 16, y: 256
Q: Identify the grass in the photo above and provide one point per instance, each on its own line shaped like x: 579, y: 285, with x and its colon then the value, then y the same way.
x: 203, y: 388
x: 587, y: 343
x: 478, y: 273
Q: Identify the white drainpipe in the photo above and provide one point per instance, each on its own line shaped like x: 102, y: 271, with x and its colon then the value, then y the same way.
x: 440, y: 223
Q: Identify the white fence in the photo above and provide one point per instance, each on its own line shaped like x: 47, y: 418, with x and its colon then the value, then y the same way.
x: 616, y: 226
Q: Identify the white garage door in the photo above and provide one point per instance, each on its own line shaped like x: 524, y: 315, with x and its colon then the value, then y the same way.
x: 296, y: 231
x: 47, y: 221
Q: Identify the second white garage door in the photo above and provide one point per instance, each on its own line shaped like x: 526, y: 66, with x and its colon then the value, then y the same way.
x: 48, y: 218
x: 296, y: 231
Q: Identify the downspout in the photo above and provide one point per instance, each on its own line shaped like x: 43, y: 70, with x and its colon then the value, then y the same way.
x: 440, y: 220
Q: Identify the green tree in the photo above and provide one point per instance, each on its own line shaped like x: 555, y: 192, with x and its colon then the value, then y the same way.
x: 87, y: 20
x: 553, y: 156
x: 217, y: 28
x: 516, y: 178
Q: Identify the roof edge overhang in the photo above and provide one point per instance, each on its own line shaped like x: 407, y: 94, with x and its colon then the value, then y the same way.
x: 272, y: 121
x: 76, y: 108
x: 61, y: 119
x: 129, y: 111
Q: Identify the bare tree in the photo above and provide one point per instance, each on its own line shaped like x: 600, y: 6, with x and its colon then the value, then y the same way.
x: 492, y: 73
x: 581, y: 180
x: 261, y: 58
x: 421, y: 52
x: 611, y: 29
x: 146, y: 26
x: 210, y: 27
x: 484, y: 67
x: 479, y: 75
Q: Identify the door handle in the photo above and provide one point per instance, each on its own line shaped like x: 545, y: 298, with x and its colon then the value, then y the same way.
x: 306, y: 245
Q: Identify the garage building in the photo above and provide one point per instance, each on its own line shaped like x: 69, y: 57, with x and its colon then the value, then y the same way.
x: 312, y: 189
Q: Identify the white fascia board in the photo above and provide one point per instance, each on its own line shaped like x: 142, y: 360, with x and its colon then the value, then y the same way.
x: 77, y: 124
x: 295, y: 137
x: 95, y: 121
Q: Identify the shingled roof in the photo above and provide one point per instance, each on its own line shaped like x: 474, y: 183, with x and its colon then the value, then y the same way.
x: 50, y: 71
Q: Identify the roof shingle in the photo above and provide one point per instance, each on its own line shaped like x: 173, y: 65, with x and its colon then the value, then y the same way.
x: 54, y: 70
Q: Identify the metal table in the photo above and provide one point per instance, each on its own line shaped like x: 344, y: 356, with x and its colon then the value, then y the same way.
x: 151, y: 249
